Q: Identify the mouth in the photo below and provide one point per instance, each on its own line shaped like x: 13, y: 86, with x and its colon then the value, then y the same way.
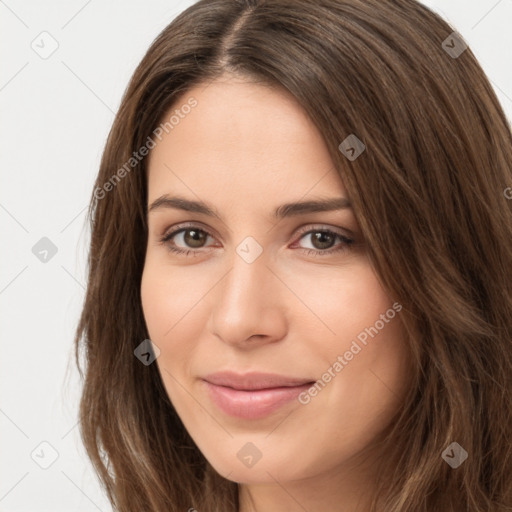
x: 254, y: 395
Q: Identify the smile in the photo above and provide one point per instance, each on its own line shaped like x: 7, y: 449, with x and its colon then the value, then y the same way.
x: 252, y: 404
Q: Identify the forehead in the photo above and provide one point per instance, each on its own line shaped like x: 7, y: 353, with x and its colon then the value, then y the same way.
x: 247, y: 138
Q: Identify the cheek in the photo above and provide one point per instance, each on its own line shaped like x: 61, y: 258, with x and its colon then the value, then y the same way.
x: 366, y: 360
x: 341, y: 302
x: 169, y: 296
x: 155, y: 303
x: 167, y: 305
x: 375, y: 342
x: 376, y: 369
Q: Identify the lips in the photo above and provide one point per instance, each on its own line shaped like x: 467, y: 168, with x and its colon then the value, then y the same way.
x: 254, y: 380
x: 253, y: 395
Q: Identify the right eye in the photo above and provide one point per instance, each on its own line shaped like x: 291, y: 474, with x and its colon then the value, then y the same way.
x: 190, y: 236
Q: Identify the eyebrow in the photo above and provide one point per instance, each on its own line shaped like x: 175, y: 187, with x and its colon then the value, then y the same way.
x: 285, y: 210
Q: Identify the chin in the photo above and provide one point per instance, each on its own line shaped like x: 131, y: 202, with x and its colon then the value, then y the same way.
x: 265, y: 470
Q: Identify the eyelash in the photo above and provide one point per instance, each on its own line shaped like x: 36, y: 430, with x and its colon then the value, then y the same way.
x: 344, y: 246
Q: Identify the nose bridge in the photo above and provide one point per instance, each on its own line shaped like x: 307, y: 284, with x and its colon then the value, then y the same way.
x: 245, y: 303
x: 247, y: 282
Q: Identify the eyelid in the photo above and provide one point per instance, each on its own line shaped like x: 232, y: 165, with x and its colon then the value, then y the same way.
x: 344, y: 232
x: 173, y: 230
x: 350, y: 240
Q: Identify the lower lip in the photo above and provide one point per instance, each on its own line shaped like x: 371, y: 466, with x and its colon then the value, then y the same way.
x: 252, y: 405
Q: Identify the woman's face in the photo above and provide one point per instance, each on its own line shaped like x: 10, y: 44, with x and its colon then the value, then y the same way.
x: 289, y: 295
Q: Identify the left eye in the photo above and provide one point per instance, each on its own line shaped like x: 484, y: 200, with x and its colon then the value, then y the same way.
x: 323, y: 239
x: 193, y: 238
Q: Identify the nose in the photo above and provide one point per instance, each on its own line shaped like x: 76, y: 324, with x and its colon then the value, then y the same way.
x: 249, y: 304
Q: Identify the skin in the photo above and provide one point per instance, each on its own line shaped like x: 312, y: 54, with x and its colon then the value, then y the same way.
x: 246, y: 149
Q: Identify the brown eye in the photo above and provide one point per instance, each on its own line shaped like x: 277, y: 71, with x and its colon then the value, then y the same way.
x: 323, y: 242
x: 189, y: 241
x: 185, y: 240
x: 323, y: 239
x: 194, y: 238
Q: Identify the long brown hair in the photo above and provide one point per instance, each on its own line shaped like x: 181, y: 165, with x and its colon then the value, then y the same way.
x: 428, y: 193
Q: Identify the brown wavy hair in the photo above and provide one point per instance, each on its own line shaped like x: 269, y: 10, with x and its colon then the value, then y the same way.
x: 428, y: 193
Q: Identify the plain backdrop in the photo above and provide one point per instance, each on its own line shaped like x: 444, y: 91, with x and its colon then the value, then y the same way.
x: 56, y: 112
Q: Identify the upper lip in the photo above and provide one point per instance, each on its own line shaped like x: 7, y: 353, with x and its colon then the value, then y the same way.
x: 254, y: 380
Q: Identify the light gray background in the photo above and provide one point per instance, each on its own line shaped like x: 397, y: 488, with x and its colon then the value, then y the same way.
x: 55, y: 117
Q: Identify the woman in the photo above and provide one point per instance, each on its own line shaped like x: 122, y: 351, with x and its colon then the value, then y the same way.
x: 228, y: 366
